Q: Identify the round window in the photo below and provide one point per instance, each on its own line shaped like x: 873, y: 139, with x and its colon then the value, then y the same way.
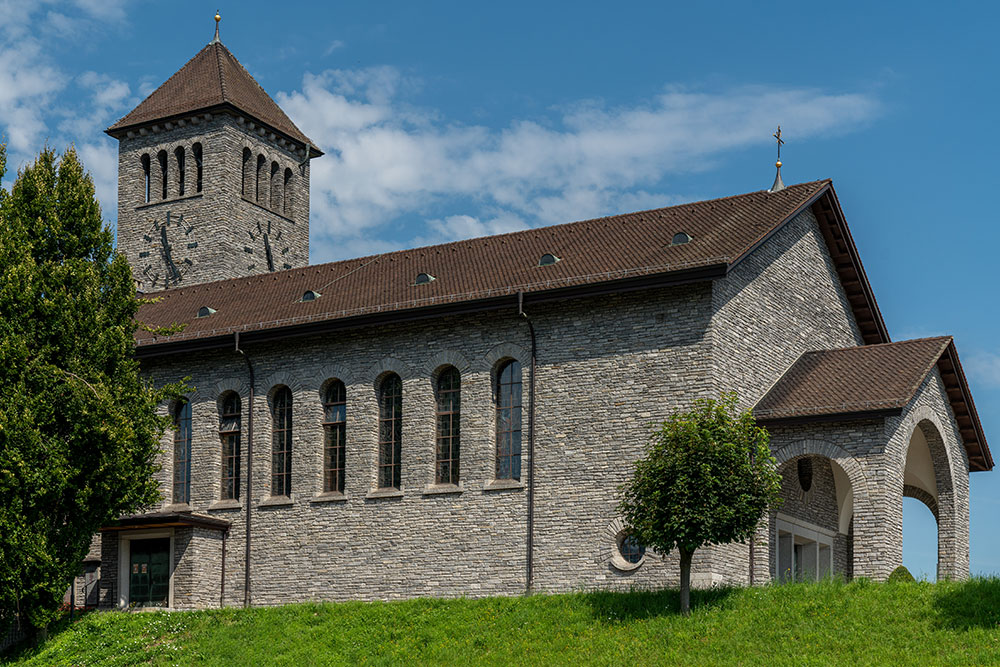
x: 630, y: 549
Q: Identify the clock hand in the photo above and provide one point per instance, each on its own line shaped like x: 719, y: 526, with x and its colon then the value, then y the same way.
x: 172, y: 272
x: 267, y: 251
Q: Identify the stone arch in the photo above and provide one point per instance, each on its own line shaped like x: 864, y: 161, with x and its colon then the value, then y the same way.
x: 230, y: 384
x: 505, y: 350
x: 332, y: 372
x: 446, y: 358
x: 924, y: 446
x: 293, y: 382
x: 386, y: 365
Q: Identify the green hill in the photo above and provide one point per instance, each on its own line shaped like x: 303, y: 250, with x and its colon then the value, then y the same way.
x: 829, y: 623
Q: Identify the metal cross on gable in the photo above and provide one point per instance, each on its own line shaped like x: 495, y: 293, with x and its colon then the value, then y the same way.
x: 777, y: 135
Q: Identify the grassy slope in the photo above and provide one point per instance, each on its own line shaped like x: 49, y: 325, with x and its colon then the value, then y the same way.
x: 819, y: 624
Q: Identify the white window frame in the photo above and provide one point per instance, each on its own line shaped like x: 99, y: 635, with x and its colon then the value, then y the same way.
x: 124, y: 558
x: 806, y: 534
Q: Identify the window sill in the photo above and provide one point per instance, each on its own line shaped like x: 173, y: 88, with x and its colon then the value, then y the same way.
x: 177, y: 507
x: 168, y: 200
x: 276, y: 501
x: 503, y: 485
x: 228, y: 504
x: 441, y: 489
x: 265, y: 208
x: 328, y: 497
x: 384, y: 493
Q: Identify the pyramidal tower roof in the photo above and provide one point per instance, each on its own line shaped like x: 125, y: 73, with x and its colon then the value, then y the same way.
x: 212, y: 80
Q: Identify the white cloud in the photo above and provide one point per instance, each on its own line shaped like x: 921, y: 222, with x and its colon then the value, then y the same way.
x: 334, y: 45
x: 984, y: 367
x: 386, y: 160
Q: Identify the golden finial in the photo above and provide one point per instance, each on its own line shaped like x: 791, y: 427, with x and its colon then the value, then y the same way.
x: 218, y: 17
x: 778, y: 184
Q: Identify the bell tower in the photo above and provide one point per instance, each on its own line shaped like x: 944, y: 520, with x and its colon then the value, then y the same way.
x: 213, y: 178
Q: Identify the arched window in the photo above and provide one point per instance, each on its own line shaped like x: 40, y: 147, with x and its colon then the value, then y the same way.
x: 508, y: 396
x: 281, y: 443
x: 275, y: 187
x: 246, y: 171
x: 179, y: 158
x: 335, y: 432
x: 260, y: 177
x: 449, y: 387
x: 162, y: 159
x: 145, y: 177
x: 196, y: 151
x: 229, y: 432
x: 390, y: 431
x: 182, y: 452
x: 286, y: 202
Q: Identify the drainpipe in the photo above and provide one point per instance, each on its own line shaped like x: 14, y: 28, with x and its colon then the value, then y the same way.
x: 249, y: 486
x: 531, y: 445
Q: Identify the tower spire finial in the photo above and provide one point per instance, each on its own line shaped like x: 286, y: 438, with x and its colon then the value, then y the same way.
x: 218, y: 17
x: 778, y: 184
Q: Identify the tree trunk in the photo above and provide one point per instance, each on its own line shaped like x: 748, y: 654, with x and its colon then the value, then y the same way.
x: 686, y: 581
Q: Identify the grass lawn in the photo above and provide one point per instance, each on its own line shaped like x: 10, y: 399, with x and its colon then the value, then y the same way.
x: 829, y: 623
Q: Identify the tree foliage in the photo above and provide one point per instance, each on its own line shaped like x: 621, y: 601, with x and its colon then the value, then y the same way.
x: 78, y: 429
x: 707, y: 478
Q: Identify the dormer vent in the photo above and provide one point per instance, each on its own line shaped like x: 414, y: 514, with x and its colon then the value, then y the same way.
x: 423, y: 279
x: 310, y: 295
x: 680, y: 238
x: 205, y: 311
x: 548, y: 259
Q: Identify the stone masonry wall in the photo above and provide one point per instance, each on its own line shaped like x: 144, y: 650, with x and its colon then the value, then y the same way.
x: 606, y: 368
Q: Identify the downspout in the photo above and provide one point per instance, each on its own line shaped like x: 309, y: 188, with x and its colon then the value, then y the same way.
x: 531, y: 446
x: 249, y: 486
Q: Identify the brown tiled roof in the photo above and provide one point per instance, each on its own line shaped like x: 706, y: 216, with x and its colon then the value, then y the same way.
x: 212, y: 79
x: 610, y: 250
x: 873, y: 379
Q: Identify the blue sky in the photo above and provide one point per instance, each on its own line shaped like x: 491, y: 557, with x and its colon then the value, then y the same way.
x: 447, y: 120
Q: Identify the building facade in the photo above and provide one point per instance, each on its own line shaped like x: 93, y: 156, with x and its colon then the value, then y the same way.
x: 457, y: 420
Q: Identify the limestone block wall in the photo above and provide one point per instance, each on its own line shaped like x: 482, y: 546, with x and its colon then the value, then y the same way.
x: 607, y: 367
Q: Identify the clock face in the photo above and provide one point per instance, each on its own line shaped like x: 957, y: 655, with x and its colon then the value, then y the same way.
x: 267, y: 249
x: 167, y: 254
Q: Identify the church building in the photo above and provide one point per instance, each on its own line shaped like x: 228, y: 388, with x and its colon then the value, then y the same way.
x: 456, y: 420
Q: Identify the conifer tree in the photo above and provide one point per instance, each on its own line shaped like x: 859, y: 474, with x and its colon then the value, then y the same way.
x: 707, y: 478
x: 78, y: 428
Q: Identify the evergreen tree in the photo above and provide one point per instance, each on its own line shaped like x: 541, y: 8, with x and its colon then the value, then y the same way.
x: 707, y: 477
x: 78, y: 429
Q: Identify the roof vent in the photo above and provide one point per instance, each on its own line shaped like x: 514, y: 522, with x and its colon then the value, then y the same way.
x: 423, y: 279
x: 205, y: 311
x: 548, y: 259
x: 680, y: 238
x: 310, y: 295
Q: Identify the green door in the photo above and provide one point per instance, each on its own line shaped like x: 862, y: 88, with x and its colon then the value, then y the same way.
x: 149, y: 573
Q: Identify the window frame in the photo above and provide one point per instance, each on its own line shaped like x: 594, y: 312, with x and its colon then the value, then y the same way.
x: 448, y: 411
x: 390, y: 432
x: 512, y: 471
x: 334, y: 437
x: 281, y: 442
x: 181, y: 487
x: 230, y: 435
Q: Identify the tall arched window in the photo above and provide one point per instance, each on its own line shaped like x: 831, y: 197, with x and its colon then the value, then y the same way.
x: 246, y: 172
x: 229, y: 432
x: 145, y: 177
x: 286, y: 202
x: 335, y: 432
x: 508, y: 394
x: 258, y: 193
x: 281, y: 443
x: 275, y: 187
x: 390, y: 431
x: 196, y: 151
x: 161, y: 157
x: 179, y: 158
x: 449, y: 385
x: 182, y: 452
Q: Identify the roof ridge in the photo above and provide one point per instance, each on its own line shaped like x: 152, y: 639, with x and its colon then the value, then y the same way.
x: 873, y: 345
x: 222, y: 71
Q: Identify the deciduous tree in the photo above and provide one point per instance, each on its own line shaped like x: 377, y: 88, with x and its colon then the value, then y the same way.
x: 78, y: 428
x: 707, y: 478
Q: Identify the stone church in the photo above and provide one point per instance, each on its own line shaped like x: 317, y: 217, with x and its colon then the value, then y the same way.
x: 455, y: 420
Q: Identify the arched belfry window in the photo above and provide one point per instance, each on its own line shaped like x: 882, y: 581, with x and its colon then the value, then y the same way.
x: 390, y: 431
x: 286, y: 202
x: 508, y: 408
x: 179, y: 159
x: 182, y: 452
x: 335, y: 436
x: 161, y: 157
x: 260, y: 177
x: 145, y: 176
x: 198, y: 166
x: 449, y: 413
x: 229, y: 433
x: 275, y: 183
x: 245, y: 178
x: 281, y: 443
